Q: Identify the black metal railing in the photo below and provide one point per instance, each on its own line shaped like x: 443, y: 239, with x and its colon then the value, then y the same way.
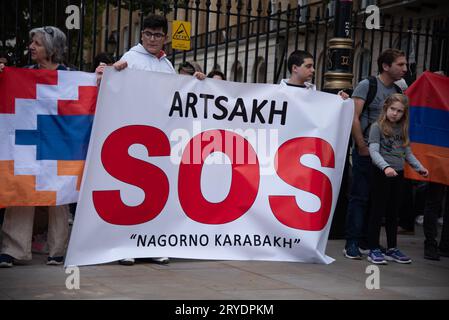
x: 248, y: 40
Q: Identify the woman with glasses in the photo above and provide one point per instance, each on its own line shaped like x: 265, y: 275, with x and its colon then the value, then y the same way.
x: 47, y: 49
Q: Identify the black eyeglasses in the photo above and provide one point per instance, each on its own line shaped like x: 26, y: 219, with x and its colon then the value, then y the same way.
x: 149, y: 35
x: 49, y: 30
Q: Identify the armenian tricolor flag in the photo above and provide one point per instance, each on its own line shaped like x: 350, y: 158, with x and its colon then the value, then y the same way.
x: 45, y: 122
x: 429, y: 126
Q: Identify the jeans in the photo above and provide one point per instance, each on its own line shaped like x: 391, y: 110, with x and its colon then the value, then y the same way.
x: 356, y: 217
x: 434, y: 200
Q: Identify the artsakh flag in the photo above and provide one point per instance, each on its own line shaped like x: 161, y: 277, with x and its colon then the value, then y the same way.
x: 429, y: 126
x: 45, y: 123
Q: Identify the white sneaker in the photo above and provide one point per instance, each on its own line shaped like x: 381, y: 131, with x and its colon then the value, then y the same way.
x: 127, y: 262
x: 440, y: 221
x: 162, y: 260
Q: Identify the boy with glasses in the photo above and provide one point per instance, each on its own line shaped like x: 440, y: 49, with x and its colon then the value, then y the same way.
x: 147, y: 56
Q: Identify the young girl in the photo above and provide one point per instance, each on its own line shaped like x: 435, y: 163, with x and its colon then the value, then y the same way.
x: 389, y: 148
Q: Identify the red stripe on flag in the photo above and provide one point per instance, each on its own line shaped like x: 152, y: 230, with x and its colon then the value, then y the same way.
x: 435, y: 159
x: 430, y: 90
x: 84, y: 105
x: 21, y: 83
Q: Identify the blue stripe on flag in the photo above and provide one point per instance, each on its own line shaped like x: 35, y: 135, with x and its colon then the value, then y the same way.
x: 58, y: 137
x: 429, y: 126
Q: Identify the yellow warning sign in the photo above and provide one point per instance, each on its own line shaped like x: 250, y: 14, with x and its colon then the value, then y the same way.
x: 181, y: 35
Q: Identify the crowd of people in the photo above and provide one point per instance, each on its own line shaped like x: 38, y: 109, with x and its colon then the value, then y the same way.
x: 380, y: 148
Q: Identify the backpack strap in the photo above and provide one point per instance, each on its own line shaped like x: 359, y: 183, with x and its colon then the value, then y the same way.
x: 397, y: 88
x: 372, y: 91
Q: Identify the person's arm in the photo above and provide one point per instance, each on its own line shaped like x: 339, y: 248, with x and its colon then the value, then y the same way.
x: 414, y: 163
x: 343, y: 95
x: 357, y: 134
x: 379, y: 161
x: 119, y: 65
x: 374, y: 147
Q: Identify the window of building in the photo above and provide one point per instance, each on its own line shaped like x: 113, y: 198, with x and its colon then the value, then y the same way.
x: 136, y: 33
x: 365, y: 56
x: 331, y: 6
x: 303, y: 11
x: 259, y: 70
x: 236, y: 72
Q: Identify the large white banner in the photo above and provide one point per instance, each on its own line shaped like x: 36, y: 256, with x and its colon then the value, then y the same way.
x: 179, y: 167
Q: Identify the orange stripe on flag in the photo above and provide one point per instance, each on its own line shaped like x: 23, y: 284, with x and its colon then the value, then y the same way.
x: 19, y: 190
x: 71, y: 168
x: 434, y: 158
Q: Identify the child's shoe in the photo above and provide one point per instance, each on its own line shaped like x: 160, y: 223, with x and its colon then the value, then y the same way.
x: 377, y: 257
x: 396, y: 255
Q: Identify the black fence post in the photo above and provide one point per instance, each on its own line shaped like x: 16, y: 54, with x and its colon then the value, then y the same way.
x: 228, y: 37
x: 217, y: 33
x: 248, y: 25
x: 206, y: 35
x: 197, y: 18
x: 256, y: 53
x: 267, y: 40
x: 94, y: 30
x: 237, y: 40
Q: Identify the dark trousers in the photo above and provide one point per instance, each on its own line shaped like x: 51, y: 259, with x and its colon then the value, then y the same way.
x: 386, y: 201
x: 432, y: 209
x: 356, y: 220
x: 413, y: 203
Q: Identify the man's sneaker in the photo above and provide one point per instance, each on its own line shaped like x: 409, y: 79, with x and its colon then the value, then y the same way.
x: 365, y: 251
x: 431, y: 252
x: 6, y: 261
x: 377, y: 257
x: 352, y: 252
x: 55, y: 261
x: 396, y: 255
x: 162, y: 260
x: 127, y: 262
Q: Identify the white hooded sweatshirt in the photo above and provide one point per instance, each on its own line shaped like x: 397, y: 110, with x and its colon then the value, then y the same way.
x: 308, y: 85
x: 139, y: 58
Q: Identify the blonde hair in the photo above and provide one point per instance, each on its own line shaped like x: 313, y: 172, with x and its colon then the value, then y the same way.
x: 386, y: 126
